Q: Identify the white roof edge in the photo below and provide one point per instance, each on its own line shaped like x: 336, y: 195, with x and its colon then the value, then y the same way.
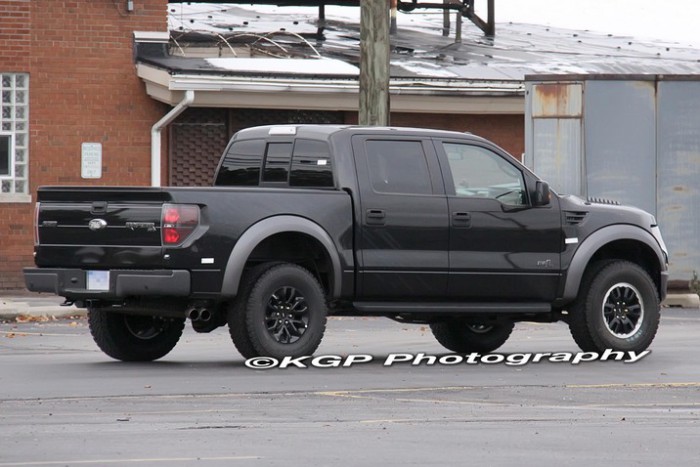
x: 184, y: 82
x: 253, y: 92
x: 153, y: 37
x: 407, y: 86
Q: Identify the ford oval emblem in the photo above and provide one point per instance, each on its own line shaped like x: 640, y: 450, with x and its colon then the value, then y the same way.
x: 97, y: 224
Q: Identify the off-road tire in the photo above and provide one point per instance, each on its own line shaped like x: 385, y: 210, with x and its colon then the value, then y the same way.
x: 467, y: 337
x: 280, y: 311
x: 134, y: 338
x: 617, y: 308
x: 237, y: 310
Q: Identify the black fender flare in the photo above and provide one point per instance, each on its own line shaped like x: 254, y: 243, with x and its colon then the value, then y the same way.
x: 595, y: 242
x: 265, y: 228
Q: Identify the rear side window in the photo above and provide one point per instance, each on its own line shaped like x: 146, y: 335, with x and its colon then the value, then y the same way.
x: 241, y: 166
x: 398, y: 167
x: 311, y: 164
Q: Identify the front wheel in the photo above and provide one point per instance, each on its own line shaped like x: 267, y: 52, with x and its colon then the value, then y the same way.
x: 467, y: 337
x: 134, y: 338
x: 618, y: 308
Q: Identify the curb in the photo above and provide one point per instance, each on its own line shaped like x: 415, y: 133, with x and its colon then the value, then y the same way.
x: 19, y: 312
x: 687, y: 300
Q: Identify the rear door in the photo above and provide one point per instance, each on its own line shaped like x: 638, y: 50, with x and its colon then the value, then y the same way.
x: 501, y: 248
x: 403, y: 240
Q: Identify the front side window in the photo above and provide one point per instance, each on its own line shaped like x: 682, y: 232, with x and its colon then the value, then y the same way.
x: 480, y: 173
x: 398, y: 167
x: 241, y: 166
x: 14, y: 136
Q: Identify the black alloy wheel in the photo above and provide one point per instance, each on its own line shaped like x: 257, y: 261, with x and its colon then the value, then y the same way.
x: 287, y: 315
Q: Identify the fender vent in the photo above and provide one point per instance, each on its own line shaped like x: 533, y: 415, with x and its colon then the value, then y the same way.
x: 603, y: 201
x: 575, y: 217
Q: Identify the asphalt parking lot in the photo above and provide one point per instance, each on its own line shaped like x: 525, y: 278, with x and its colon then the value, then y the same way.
x: 62, y: 402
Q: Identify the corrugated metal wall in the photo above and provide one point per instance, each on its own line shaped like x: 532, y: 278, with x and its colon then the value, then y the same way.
x: 635, y: 140
x: 620, y: 142
x: 678, y: 173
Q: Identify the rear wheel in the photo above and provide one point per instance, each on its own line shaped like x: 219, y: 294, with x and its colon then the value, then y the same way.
x: 281, y: 311
x: 466, y: 337
x: 618, y: 308
x: 134, y: 338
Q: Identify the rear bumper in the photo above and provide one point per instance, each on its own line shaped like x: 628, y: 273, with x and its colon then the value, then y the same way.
x: 122, y: 283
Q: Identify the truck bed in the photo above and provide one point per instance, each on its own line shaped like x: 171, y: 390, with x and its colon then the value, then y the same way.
x: 132, y: 235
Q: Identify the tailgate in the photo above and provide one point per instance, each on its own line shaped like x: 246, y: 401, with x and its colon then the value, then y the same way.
x: 115, y: 227
x: 99, y: 223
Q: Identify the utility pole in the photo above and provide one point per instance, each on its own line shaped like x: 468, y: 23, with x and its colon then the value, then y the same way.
x: 446, y: 20
x: 374, y: 63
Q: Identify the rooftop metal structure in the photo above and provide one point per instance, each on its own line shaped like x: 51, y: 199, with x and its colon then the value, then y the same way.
x: 265, y: 56
x: 419, y: 49
x: 465, y: 7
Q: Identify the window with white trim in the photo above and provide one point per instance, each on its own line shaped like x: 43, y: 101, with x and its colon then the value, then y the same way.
x: 14, y: 136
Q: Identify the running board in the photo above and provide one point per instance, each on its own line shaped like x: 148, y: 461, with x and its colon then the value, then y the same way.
x: 450, y: 307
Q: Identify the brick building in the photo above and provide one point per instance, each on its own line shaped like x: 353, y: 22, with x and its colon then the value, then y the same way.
x: 67, y: 78
x: 104, y: 71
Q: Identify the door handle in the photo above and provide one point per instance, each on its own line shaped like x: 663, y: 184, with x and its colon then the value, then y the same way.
x: 461, y: 219
x: 376, y: 216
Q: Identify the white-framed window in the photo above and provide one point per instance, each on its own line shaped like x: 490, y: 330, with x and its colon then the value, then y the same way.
x: 14, y: 137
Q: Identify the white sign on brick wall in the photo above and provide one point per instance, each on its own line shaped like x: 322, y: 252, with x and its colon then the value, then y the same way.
x: 91, y: 160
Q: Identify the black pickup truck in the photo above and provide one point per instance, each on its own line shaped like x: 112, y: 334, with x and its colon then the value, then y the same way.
x: 306, y: 221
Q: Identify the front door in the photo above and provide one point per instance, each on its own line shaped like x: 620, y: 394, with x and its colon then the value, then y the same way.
x: 403, y: 239
x: 501, y: 248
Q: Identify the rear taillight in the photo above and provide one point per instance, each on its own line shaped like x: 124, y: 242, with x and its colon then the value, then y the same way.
x: 178, y: 221
x: 36, y: 223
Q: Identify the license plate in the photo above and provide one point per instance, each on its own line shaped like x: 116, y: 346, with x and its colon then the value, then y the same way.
x: 98, y: 280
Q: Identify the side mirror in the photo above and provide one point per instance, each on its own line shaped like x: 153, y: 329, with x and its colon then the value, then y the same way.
x: 541, y: 195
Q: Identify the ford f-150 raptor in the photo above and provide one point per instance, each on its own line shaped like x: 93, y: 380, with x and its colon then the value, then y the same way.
x: 306, y: 221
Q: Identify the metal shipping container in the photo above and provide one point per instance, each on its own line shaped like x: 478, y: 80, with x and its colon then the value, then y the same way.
x: 630, y: 138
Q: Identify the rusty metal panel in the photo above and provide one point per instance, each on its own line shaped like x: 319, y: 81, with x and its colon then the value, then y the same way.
x: 557, y: 100
x: 679, y: 174
x: 556, y: 153
x: 620, y: 142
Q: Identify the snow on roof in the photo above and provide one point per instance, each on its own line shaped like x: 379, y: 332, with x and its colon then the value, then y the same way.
x: 292, y: 66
